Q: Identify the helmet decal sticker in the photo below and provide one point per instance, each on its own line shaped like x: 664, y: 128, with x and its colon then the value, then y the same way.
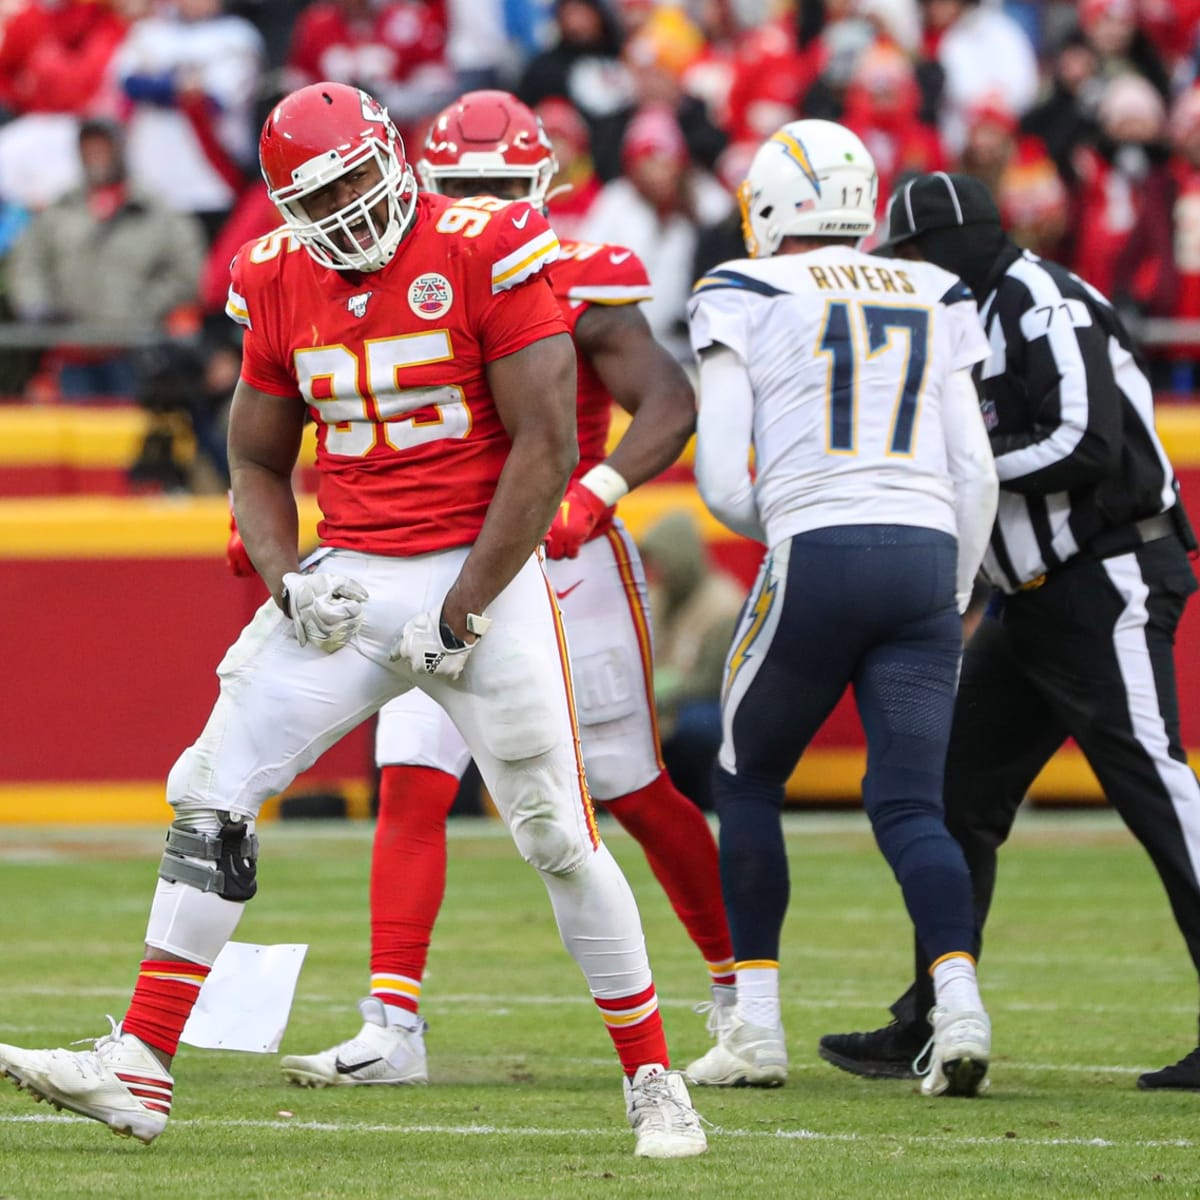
x: 793, y: 147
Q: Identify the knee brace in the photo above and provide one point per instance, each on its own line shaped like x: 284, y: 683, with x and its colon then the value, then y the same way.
x: 225, y: 861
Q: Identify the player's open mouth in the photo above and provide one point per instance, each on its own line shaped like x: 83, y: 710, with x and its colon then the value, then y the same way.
x: 357, y: 236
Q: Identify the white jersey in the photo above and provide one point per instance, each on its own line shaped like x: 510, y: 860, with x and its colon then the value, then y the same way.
x: 848, y: 357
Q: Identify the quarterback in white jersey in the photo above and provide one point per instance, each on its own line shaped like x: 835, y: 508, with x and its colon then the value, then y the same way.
x: 848, y: 377
x: 856, y: 415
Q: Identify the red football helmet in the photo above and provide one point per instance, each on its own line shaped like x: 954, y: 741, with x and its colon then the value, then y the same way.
x: 313, y: 137
x: 488, y: 135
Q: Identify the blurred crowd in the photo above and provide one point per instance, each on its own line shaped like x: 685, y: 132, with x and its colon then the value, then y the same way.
x: 128, y: 129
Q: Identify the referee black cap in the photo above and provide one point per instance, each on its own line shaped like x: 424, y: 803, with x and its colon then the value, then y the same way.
x: 937, y: 201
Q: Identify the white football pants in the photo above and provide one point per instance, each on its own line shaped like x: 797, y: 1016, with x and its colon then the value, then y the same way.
x: 280, y: 706
x: 602, y: 594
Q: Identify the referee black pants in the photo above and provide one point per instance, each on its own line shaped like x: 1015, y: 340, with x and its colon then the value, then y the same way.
x: 1088, y: 655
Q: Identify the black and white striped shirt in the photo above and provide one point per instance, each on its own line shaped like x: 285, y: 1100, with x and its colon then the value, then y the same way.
x: 1071, y: 418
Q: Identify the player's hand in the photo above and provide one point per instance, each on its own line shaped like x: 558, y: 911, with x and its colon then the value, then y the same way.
x: 235, y: 549
x: 578, y: 515
x: 430, y: 647
x: 326, y: 610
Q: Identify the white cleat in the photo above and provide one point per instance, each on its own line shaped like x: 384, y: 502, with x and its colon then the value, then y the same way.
x: 380, y: 1054
x: 745, y: 1055
x: 718, y: 1013
x: 959, y: 1052
x: 119, y: 1082
x: 661, y: 1114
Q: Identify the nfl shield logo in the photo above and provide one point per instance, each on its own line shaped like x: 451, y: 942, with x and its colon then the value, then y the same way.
x: 430, y: 296
x: 358, y: 304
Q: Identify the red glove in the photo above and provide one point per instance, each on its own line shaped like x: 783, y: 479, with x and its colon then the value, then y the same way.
x: 235, y: 549
x: 578, y: 515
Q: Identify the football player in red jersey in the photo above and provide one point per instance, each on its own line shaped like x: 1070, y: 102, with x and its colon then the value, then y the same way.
x: 489, y: 142
x: 420, y: 334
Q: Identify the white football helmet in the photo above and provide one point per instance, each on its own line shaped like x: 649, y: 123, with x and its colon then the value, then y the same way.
x: 808, y: 179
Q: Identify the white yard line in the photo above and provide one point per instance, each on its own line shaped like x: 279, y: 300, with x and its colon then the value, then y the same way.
x: 492, y: 1004
x: 807, y: 1135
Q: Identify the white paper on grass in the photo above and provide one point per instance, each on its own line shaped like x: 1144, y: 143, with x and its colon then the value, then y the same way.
x: 246, y: 999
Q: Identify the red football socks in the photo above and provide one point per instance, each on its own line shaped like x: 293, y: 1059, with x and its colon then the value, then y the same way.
x: 408, y: 878
x: 682, y: 853
x: 163, y: 999
x: 635, y: 1026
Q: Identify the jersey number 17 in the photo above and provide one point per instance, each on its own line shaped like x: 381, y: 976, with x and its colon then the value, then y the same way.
x: 846, y: 325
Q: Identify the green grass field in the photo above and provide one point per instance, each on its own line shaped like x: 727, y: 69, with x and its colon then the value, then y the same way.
x: 1085, y: 976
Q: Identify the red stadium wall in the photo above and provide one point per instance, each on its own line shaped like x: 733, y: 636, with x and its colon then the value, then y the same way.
x: 118, y: 609
x: 127, y: 677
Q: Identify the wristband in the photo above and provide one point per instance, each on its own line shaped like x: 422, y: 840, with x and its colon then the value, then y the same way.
x: 606, y: 483
x: 475, y: 624
x: 450, y: 639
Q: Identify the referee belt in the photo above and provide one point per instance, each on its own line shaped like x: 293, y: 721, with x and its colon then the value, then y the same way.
x: 1115, y: 541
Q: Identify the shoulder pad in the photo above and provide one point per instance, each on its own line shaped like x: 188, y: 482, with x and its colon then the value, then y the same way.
x: 957, y: 293
x: 523, y: 245
x: 726, y: 278
x: 510, y: 235
x: 256, y: 260
x: 595, y: 273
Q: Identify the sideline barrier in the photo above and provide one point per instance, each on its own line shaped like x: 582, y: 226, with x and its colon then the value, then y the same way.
x: 118, y: 609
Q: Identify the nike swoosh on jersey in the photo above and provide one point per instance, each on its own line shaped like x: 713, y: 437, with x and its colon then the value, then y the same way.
x: 519, y: 222
x: 618, y: 259
x: 567, y: 591
x: 350, y: 1068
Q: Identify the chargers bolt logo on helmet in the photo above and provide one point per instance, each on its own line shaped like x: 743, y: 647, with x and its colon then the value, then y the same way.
x: 809, y: 179
x: 794, y: 149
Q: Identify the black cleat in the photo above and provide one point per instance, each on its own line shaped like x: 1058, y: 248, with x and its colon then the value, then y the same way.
x: 1183, y: 1076
x: 885, y: 1053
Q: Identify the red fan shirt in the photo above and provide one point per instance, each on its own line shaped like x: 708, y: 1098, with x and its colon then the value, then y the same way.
x: 392, y: 365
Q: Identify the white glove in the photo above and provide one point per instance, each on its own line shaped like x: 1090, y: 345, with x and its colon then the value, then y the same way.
x: 326, y: 610
x: 423, y: 644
